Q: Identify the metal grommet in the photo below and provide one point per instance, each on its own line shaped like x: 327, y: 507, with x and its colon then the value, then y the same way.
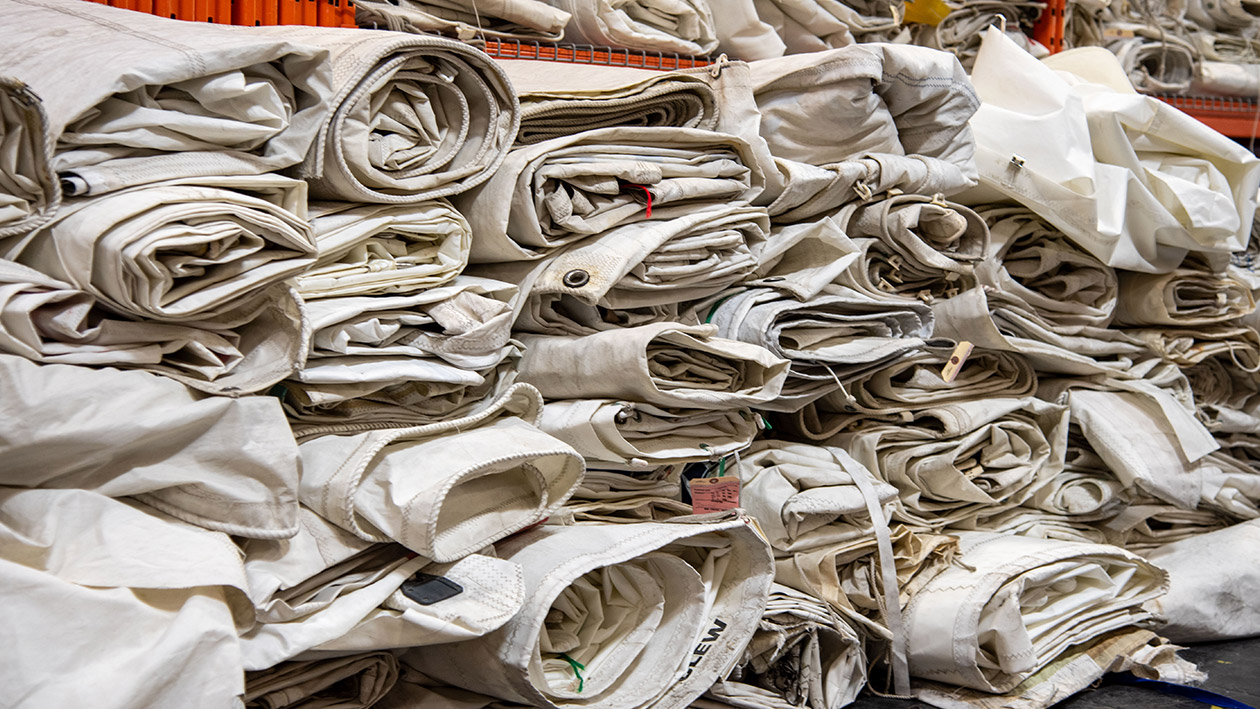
x: 576, y: 278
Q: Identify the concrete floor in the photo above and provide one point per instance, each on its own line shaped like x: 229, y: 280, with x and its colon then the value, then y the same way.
x: 1233, y: 670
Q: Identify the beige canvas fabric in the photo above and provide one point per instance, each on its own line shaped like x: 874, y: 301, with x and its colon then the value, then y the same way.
x: 961, y: 31
x: 915, y: 383
x: 666, y: 364
x: 977, y: 625
x: 682, y: 27
x: 816, y: 25
x: 802, y: 655
x: 135, y: 434
x: 150, y: 592
x: 488, y: 475
x: 442, y: 334
x: 1134, y: 650
x: 503, y: 19
x: 1187, y: 296
x: 829, y: 338
x: 29, y: 190
x: 563, y: 99
x: 327, y: 593
x: 412, y: 117
x: 559, y: 191
x: 743, y: 34
x: 354, y: 682
x: 805, y: 497
x: 1152, y: 59
x: 640, y: 434
x: 620, y: 497
x: 50, y: 321
x: 1203, y: 605
x: 896, y: 117
x: 139, y: 99
x: 958, y: 461
x: 325, y: 409
x: 183, y: 250
x: 379, y: 249
x: 913, y: 246
x: 647, y: 614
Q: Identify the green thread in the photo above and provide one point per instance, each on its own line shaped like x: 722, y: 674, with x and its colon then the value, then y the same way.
x: 577, y: 669
x: 722, y: 467
x: 716, y: 306
x: 766, y: 421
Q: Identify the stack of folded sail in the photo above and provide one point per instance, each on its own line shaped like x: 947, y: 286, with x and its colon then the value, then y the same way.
x: 449, y: 420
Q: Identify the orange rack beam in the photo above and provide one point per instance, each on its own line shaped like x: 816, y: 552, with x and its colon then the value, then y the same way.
x: 249, y: 13
x: 588, y: 54
x: 1234, y: 117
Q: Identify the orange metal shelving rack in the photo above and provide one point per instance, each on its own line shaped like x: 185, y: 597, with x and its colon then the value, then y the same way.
x: 250, y: 13
x: 1234, y: 117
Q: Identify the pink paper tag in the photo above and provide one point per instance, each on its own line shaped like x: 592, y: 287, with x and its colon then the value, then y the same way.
x: 714, y: 494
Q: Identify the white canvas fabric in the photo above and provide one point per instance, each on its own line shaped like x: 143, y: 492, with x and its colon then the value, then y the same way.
x: 913, y: 246
x: 743, y: 34
x: 327, y: 593
x: 1210, y: 576
x: 681, y: 26
x: 1032, y: 260
x: 504, y: 19
x: 666, y: 364
x: 1186, y: 296
x: 829, y: 338
x: 553, y: 193
x: 443, y: 334
x: 1226, y: 15
x: 183, y: 250
x: 50, y: 321
x: 378, y: 249
x: 413, y: 117
x: 655, y: 263
x: 134, y: 434
x: 915, y: 383
x: 846, y: 123
x: 964, y: 460
x: 961, y: 31
x: 563, y: 99
x: 622, y: 615
x: 640, y: 434
x: 1079, y: 145
x: 159, y: 603
x: 354, y: 682
x: 1137, y: 440
x: 805, y: 497
x: 1228, y: 79
x: 849, y: 578
x: 29, y: 190
x: 324, y: 409
x: 802, y: 655
x: 816, y: 25
x: 1152, y: 59
x: 138, y: 99
x: 620, y: 496
x: 1016, y: 603
x: 486, y: 476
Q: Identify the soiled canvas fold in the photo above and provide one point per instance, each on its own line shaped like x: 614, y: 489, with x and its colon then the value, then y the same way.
x: 682, y: 27
x: 354, y: 682
x: 506, y: 19
x: 1015, y: 603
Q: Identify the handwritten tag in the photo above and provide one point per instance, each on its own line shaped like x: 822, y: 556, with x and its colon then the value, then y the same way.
x: 714, y: 494
x: 956, y: 360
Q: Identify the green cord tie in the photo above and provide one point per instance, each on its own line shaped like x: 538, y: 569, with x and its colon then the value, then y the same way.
x: 577, y: 669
